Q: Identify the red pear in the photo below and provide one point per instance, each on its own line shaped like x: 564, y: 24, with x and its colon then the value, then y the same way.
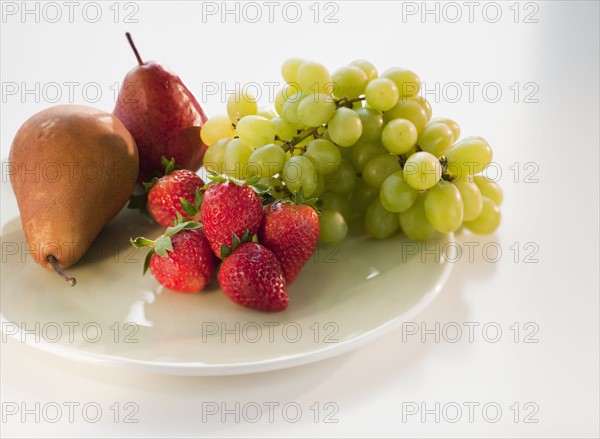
x: 162, y: 115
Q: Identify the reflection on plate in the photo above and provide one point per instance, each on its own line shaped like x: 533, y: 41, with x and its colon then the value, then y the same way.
x: 343, y: 298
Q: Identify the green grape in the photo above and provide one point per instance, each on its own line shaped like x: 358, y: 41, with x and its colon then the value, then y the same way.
x: 345, y: 127
x: 235, y: 158
x: 345, y: 152
x: 299, y: 173
x: 362, y: 152
x: 267, y: 113
x: 435, y: 138
x: 372, y: 124
x: 396, y: 195
x: 422, y: 170
x: 333, y: 227
x: 379, y: 222
x: 453, y: 125
x: 325, y: 155
x: 341, y: 181
x: 320, y: 187
x: 381, y: 94
x: 215, y: 155
x: 256, y: 131
x: 314, y: 77
x: 399, y: 136
x: 414, y: 222
x: 240, y: 104
x: 290, y: 111
x: 489, y: 189
x: 363, y: 195
x: 349, y: 82
x: 284, y: 130
x: 266, y: 161
x: 411, y: 152
x: 216, y: 128
x: 338, y: 203
x: 284, y: 95
x: 488, y: 221
x: 379, y: 168
x: 289, y: 69
x: 408, y: 109
x: 468, y: 157
x: 366, y: 67
x: 408, y: 83
x: 425, y: 104
x: 444, y: 207
x: 471, y: 197
x: 316, y: 109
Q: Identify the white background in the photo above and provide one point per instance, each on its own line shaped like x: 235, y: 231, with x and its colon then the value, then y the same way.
x: 557, y: 211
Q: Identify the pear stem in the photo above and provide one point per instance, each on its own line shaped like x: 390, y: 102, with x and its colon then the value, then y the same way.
x: 66, y: 276
x: 137, y: 54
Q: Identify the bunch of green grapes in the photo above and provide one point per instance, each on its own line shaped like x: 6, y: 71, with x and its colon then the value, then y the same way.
x: 365, y: 145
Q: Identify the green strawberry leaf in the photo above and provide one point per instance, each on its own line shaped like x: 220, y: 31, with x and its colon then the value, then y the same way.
x: 152, y: 181
x: 147, y: 260
x: 163, y: 245
x: 141, y: 242
x: 178, y: 219
x: 260, y: 188
x: 253, y: 180
x: 235, y: 241
x: 168, y: 165
x: 246, y: 237
x: 225, y: 251
x: 300, y: 199
x: 184, y: 225
x: 198, y: 199
x: 215, y: 177
x: 191, y: 225
x: 188, y: 207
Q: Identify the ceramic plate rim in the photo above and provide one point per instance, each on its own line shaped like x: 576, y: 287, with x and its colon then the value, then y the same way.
x: 202, y: 369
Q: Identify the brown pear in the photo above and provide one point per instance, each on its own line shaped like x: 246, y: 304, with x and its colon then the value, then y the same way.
x: 72, y: 169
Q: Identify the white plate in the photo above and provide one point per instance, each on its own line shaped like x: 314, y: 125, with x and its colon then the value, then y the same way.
x: 342, y: 299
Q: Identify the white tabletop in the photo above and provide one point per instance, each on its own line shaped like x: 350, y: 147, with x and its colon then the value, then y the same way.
x: 537, y: 378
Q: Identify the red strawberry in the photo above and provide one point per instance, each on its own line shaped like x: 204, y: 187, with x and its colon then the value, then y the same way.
x: 164, y: 199
x: 291, y: 231
x: 251, y: 276
x: 181, y: 259
x: 229, y: 208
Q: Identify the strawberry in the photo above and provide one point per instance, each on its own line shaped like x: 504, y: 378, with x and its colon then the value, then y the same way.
x: 291, y: 231
x: 181, y: 259
x: 252, y: 276
x: 168, y: 196
x: 164, y: 199
x: 229, y: 207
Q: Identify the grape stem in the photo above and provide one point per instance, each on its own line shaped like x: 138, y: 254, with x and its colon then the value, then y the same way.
x: 345, y: 102
x: 445, y: 175
x: 289, y: 146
